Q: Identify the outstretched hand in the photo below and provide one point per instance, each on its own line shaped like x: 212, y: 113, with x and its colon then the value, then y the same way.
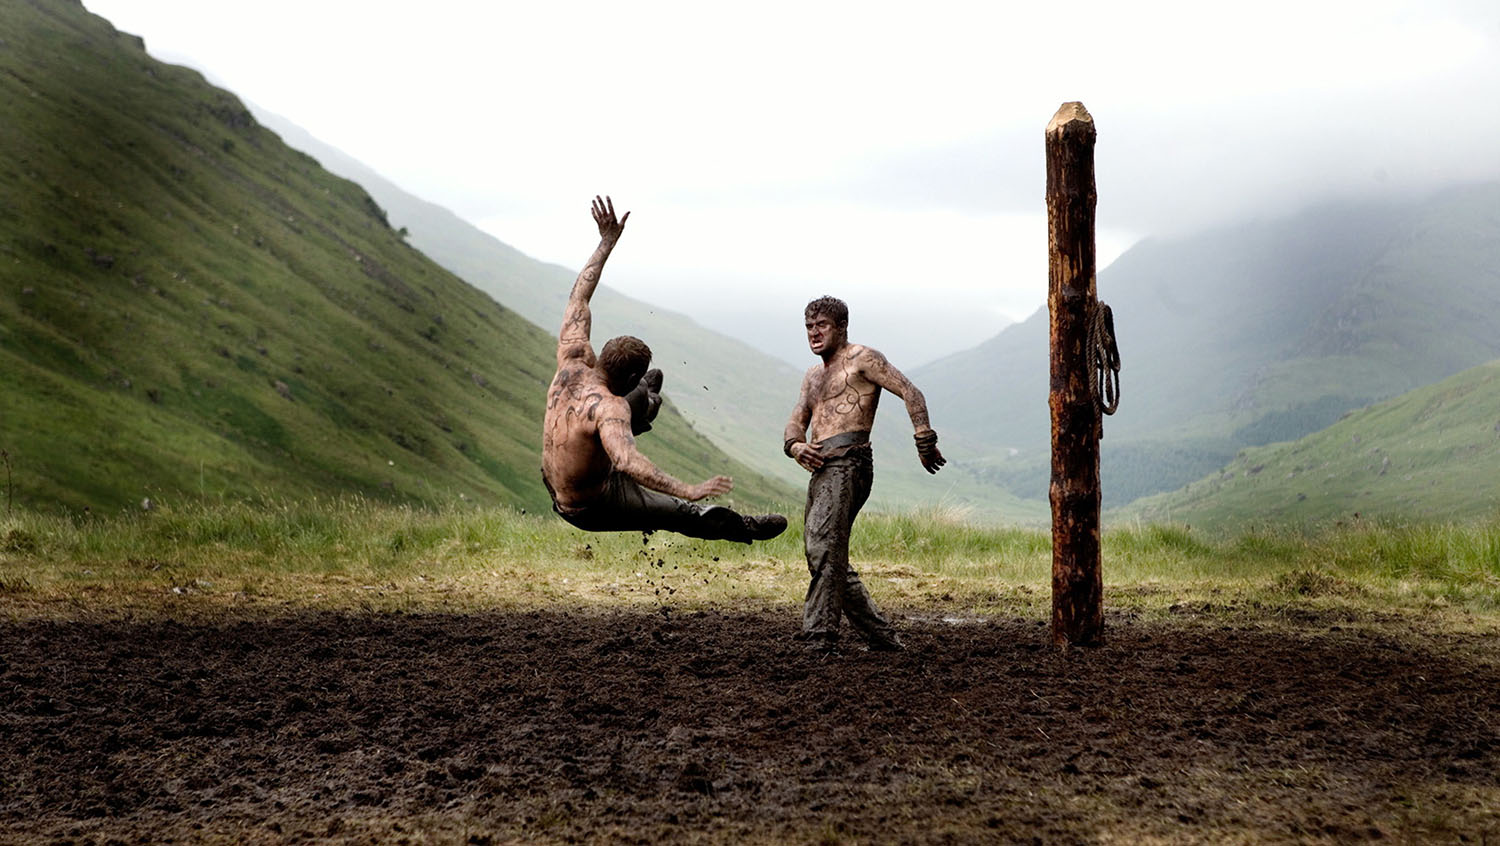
x: 604, y: 216
x: 713, y: 487
x: 927, y: 451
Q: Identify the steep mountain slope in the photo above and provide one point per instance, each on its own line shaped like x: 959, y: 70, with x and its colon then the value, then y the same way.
x: 1252, y: 334
x: 1431, y: 453
x: 731, y: 392
x: 190, y: 308
x: 737, y: 396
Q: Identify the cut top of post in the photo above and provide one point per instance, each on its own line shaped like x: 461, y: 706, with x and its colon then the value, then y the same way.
x: 1068, y: 113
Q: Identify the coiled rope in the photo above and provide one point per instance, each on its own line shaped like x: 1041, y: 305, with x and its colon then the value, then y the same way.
x: 1104, y: 360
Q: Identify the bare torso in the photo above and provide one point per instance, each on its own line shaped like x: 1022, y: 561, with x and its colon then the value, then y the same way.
x: 840, y: 396
x: 573, y: 457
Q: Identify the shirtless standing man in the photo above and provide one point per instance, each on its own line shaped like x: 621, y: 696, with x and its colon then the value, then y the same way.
x: 838, y: 401
x: 596, y: 406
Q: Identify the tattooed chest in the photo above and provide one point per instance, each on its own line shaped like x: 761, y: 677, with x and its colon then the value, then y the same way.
x: 841, y: 393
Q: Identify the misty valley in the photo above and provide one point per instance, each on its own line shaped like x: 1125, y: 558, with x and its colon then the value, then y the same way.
x: 277, y: 562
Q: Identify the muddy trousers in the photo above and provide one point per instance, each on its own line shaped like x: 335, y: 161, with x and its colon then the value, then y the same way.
x: 835, y: 494
x: 625, y: 506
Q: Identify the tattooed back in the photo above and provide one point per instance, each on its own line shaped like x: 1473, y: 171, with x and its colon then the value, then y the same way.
x: 573, y: 458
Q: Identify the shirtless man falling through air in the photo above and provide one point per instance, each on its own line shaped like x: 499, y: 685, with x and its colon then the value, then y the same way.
x: 596, y: 406
x: 838, y: 401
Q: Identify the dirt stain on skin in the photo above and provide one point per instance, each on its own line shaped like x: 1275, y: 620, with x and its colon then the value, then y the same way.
x: 625, y: 726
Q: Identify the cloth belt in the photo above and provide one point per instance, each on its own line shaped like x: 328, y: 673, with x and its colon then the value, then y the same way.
x: 843, y: 444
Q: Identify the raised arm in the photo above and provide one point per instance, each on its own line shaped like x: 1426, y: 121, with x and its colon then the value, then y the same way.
x: 573, y: 338
x: 619, y: 443
x: 879, y: 370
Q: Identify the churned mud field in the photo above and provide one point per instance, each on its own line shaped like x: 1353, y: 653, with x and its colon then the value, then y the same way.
x: 713, y: 726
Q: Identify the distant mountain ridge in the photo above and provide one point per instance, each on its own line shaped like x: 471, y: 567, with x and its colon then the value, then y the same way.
x: 1248, y: 335
x: 1240, y: 336
x: 191, y: 309
x: 1431, y: 454
x: 736, y: 395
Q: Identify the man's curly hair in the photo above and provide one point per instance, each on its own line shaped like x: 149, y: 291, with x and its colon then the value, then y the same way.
x: 836, y: 310
x: 624, y: 361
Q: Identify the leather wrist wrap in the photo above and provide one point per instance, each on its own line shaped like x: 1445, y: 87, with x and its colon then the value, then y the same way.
x: 791, y: 442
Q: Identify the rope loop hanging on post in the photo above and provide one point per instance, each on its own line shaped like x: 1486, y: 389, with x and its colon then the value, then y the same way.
x: 1104, y: 360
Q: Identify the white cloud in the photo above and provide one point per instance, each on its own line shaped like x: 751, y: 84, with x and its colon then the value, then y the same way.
x: 787, y: 145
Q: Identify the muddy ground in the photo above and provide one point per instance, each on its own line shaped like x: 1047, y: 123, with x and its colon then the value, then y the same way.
x: 644, y: 727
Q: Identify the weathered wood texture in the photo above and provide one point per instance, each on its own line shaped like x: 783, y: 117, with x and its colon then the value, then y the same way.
x: 1077, y: 585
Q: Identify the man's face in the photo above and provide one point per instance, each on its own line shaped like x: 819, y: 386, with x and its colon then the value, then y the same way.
x: 822, y: 333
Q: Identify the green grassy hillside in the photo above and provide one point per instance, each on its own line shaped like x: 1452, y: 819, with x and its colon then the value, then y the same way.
x: 1249, y: 335
x: 1432, y: 453
x: 189, y: 308
x: 735, y: 395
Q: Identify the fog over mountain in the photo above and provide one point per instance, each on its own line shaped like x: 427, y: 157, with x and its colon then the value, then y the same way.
x: 1248, y: 334
x: 912, y: 328
x: 889, y: 155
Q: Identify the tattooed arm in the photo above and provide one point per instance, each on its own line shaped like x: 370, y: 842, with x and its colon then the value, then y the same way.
x: 573, y: 338
x: 877, y: 369
x: 614, y: 433
x: 795, y: 443
x: 874, y: 366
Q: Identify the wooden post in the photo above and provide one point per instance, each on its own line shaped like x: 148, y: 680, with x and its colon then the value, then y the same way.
x: 1077, y: 586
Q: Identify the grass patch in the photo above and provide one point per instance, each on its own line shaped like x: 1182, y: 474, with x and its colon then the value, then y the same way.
x: 358, y: 553
x: 190, y: 308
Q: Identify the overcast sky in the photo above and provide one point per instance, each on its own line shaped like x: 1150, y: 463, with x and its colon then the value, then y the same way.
x: 890, y: 153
